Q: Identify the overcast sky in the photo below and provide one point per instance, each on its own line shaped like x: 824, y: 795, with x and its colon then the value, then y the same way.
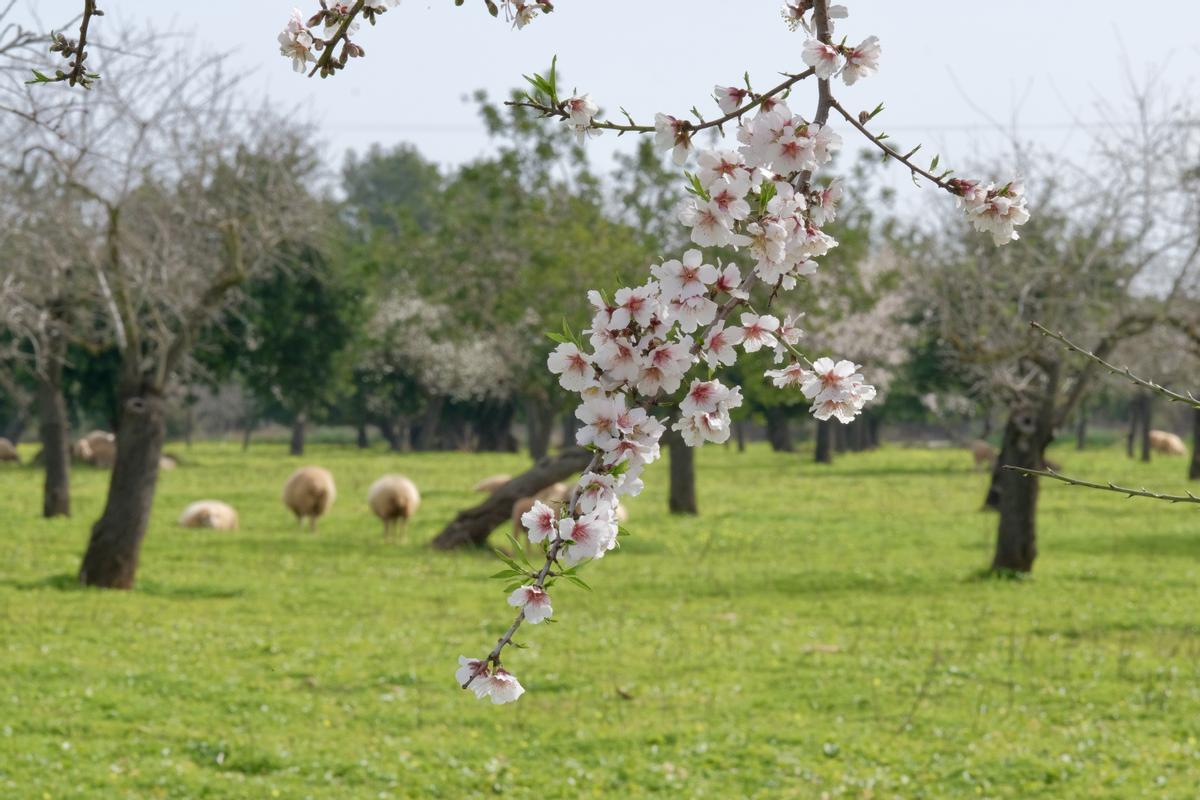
x: 945, y: 62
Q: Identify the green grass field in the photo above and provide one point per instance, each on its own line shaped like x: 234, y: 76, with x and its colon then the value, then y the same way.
x: 817, y: 632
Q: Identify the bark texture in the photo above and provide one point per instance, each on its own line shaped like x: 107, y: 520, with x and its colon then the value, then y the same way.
x: 682, y: 496
x: 112, y: 554
x: 779, y: 432
x: 472, y: 526
x: 823, y: 451
x: 54, y: 432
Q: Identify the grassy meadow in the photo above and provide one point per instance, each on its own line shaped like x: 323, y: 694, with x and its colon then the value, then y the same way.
x: 817, y: 632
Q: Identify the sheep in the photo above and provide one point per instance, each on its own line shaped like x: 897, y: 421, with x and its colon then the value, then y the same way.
x: 309, y: 492
x: 1167, y: 443
x: 209, y: 514
x: 492, y: 483
x: 8, y: 451
x: 98, y: 448
x: 167, y: 462
x: 394, y: 498
x: 983, y: 453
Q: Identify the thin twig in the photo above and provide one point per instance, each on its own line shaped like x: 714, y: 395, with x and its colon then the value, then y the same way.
x: 894, y: 154
x: 77, y: 74
x: 1175, y: 397
x: 1108, y: 487
x: 341, y: 34
x: 560, y: 110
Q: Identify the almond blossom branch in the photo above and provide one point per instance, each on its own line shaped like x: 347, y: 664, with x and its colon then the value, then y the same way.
x: 561, y: 110
x: 1175, y: 397
x: 325, y: 64
x: 74, y: 51
x: 1108, y: 487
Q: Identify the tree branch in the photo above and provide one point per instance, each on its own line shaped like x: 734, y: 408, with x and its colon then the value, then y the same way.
x: 1189, y: 399
x: 1107, y: 487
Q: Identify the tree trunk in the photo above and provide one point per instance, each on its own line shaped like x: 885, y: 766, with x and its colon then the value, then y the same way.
x: 570, y: 424
x: 873, y: 425
x: 493, y: 428
x: 1194, y: 467
x: 1139, y: 420
x: 1146, y: 409
x: 539, y: 421
x: 56, y: 446
x: 298, y: 424
x: 1015, y: 495
x: 1081, y: 429
x: 739, y: 432
x: 395, y: 434
x: 111, y: 559
x: 682, y: 496
x: 427, y: 436
x: 779, y: 432
x: 361, y: 440
x: 472, y: 526
x: 823, y: 453
x: 246, y: 432
x: 839, y: 437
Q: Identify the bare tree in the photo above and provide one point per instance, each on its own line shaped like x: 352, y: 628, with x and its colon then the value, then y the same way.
x: 43, y: 250
x: 1109, y: 254
x: 187, y: 194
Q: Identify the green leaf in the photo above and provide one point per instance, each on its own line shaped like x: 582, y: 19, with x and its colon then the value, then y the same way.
x: 509, y: 561
x: 508, y: 573
x: 518, y: 645
x: 933, y: 164
x: 580, y: 582
x: 557, y: 337
x: 512, y: 587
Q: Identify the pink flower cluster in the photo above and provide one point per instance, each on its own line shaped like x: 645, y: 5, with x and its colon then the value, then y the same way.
x: 836, y: 389
x: 993, y: 210
x: 500, y: 685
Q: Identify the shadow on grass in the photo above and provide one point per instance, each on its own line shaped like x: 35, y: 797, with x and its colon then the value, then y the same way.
x: 69, y: 582
x: 1182, y: 545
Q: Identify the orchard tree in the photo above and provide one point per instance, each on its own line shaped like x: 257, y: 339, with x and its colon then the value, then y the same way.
x: 188, y: 196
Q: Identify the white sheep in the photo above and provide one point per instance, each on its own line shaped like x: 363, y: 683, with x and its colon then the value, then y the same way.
x: 309, y: 492
x: 394, y: 498
x: 492, y: 483
x: 1167, y: 443
x: 98, y: 448
x: 209, y: 514
x: 8, y: 451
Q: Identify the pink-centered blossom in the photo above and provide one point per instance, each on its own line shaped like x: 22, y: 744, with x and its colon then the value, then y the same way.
x: 534, y: 601
x: 759, y: 331
x: 502, y: 686
x: 296, y: 42
x: 862, y: 61
x: 540, y: 522
x: 674, y: 134
x: 572, y: 366
x: 823, y: 58
x: 730, y: 98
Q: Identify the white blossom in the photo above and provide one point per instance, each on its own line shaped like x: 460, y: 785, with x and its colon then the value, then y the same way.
x: 296, y: 42
x: 534, y: 601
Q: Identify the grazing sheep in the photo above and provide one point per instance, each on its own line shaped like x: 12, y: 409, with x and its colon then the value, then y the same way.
x: 98, y: 448
x: 167, y: 462
x: 309, y: 492
x: 209, y: 514
x: 1167, y: 443
x: 394, y: 498
x: 554, y: 493
x: 491, y: 484
x: 983, y: 453
x: 8, y: 451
